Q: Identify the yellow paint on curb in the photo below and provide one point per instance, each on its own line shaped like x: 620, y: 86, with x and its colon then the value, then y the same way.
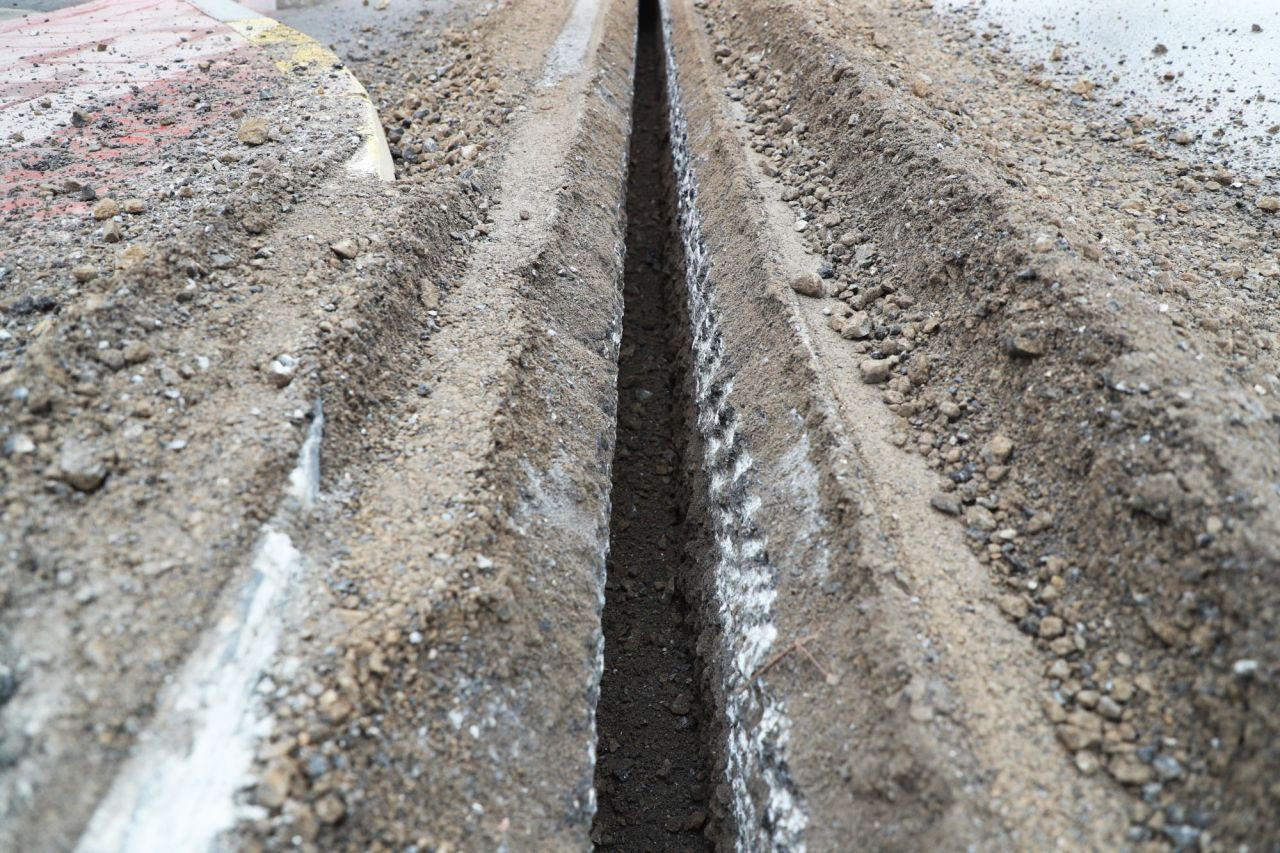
x: 297, y: 53
x: 301, y: 49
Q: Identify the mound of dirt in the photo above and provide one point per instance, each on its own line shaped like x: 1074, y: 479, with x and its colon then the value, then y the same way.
x: 1076, y: 329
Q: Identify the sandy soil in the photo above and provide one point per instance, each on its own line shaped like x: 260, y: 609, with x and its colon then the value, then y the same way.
x: 973, y: 459
x: 1073, y: 326
x: 154, y: 413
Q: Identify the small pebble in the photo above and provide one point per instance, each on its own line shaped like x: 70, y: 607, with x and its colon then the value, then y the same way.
x: 253, y: 131
x: 807, y: 284
x: 345, y: 248
x: 105, y: 209
x: 874, y: 371
x: 945, y: 502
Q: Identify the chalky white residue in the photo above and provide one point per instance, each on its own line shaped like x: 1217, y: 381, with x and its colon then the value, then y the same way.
x: 569, y: 50
x: 744, y: 582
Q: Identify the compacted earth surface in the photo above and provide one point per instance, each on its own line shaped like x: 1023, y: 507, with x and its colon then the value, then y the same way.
x: 749, y: 425
x: 166, y: 357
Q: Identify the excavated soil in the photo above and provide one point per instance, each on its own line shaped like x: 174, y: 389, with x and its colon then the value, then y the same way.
x: 153, y: 414
x: 1073, y: 325
x: 446, y: 661
x: 751, y: 424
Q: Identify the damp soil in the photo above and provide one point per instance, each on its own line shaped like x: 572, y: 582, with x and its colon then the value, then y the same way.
x: 651, y: 777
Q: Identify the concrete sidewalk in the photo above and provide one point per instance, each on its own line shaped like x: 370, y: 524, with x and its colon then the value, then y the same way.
x: 93, y: 94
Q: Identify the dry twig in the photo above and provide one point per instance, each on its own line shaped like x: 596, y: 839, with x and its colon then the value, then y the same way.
x: 798, y: 644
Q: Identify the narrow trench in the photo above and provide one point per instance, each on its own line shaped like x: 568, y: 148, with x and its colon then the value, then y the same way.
x: 651, y: 776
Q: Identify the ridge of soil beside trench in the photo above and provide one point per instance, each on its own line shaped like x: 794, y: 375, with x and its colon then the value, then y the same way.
x: 848, y: 645
x: 1067, y: 327
x: 1056, y: 350
x: 454, y: 649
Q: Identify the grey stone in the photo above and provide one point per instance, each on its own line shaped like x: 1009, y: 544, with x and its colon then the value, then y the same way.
x: 1167, y: 767
x: 79, y: 467
x: 946, y: 503
x: 875, y: 371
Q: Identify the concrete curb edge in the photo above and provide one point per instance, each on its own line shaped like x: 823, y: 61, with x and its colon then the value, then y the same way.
x: 291, y: 50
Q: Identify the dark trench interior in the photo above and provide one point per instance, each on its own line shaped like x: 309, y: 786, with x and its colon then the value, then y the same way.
x: 651, y: 776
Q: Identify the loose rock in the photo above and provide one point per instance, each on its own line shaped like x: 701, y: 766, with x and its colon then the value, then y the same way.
x: 105, y: 209
x: 857, y: 326
x: 1050, y: 627
x: 80, y: 467
x: 330, y: 809
x: 1027, y: 342
x: 253, y: 131
x: 946, y: 502
x: 282, y: 369
x: 875, y: 370
x: 1013, y: 606
x: 1129, y: 771
x: 998, y: 449
x: 345, y: 248
x: 807, y: 284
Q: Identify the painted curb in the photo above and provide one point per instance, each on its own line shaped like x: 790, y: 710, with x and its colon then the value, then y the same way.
x: 297, y: 54
x: 299, y: 58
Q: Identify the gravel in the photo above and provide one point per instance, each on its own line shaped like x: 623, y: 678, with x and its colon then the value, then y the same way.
x: 1100, y: 294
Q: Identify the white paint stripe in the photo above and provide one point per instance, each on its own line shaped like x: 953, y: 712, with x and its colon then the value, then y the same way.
x: 177, y: 792
x: 304, y: 480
